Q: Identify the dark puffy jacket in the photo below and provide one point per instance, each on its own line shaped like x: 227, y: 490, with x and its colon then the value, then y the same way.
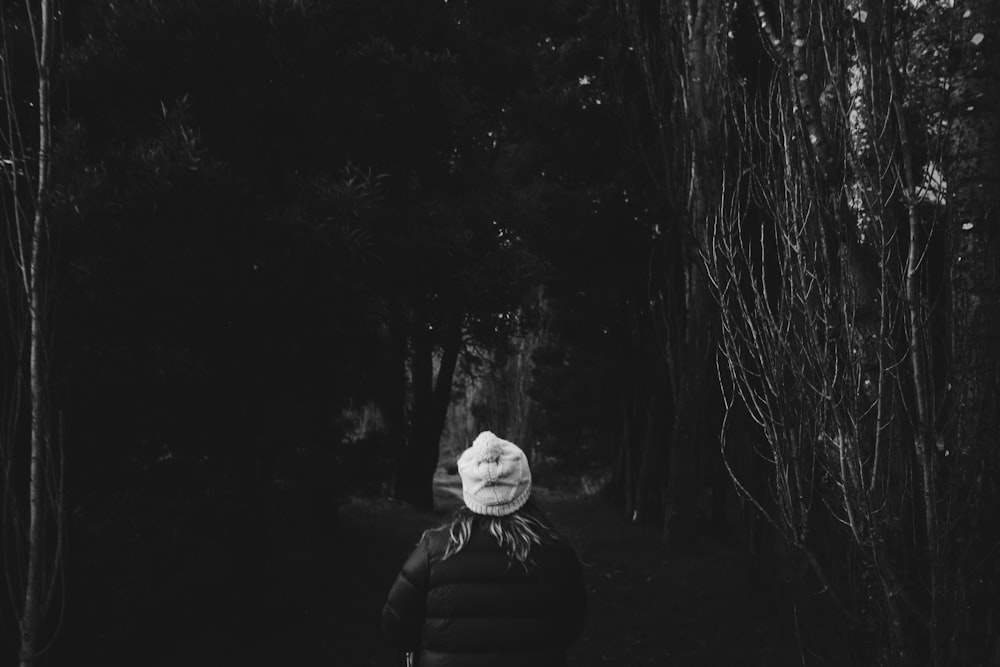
x: 477, y: 609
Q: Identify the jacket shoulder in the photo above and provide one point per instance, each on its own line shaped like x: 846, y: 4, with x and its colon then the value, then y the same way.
x: 435, y: 541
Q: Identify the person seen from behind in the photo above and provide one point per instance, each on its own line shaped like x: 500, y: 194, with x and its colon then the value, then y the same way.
x: 496, y: 585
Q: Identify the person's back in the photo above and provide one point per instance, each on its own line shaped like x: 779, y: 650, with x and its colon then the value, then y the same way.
x: 496, y: 585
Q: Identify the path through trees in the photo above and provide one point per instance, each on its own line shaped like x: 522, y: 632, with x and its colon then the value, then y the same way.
x: 315, y: 593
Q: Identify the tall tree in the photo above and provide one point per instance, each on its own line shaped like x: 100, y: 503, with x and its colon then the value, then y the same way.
x: 32, y: 545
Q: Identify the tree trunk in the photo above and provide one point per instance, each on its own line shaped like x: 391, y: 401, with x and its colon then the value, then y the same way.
x: 431, y: 398
x: 621, y: 489
x: 690, y: 432
x: 393, y: 383
x: 646, y: 504
x: 34, y: 604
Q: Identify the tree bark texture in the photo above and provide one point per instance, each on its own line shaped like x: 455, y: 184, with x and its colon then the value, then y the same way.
x: 431, y: 398
x: 34, y: 602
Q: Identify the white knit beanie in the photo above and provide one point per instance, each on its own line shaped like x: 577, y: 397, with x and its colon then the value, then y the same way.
x: 495, y: 476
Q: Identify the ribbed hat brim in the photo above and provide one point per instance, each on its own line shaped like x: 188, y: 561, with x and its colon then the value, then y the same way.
x: 498, y: 509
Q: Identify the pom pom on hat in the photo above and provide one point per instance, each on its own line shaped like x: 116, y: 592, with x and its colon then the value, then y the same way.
x: 496, y: 480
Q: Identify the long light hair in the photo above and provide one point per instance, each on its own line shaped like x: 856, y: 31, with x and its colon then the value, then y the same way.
x: 518, y: 533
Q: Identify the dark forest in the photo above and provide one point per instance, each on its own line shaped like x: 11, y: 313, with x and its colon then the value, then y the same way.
x: 728, y: 271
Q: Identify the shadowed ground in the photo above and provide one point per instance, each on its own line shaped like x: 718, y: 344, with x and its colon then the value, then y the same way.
x: 309, y: 587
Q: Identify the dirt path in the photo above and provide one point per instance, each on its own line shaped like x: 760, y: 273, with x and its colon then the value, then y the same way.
x: 651, y: 607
